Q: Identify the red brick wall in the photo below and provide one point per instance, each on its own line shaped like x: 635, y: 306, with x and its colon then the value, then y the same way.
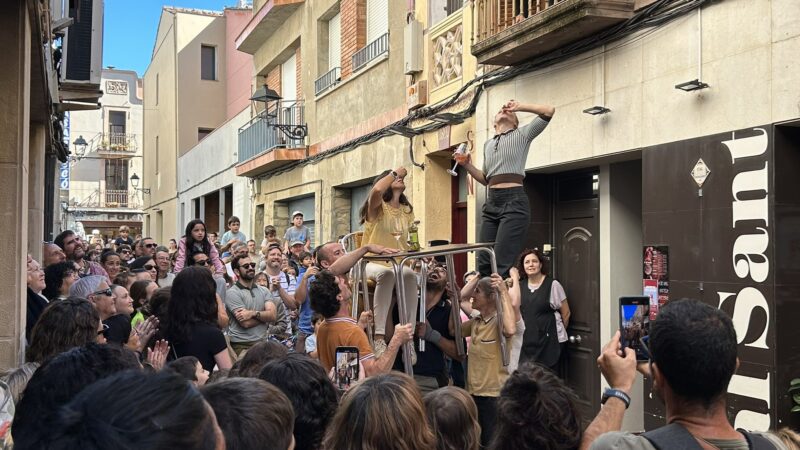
x: 299, y: 74
x: 354, y: 31
x: 274, y: 79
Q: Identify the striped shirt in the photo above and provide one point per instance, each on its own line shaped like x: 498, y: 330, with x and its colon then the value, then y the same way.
x: 506, y: 153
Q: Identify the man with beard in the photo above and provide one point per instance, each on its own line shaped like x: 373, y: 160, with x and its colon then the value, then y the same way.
x: 430, y: 371
x: 250, y: 307
x: 281, y: 285
x: 73, y: 248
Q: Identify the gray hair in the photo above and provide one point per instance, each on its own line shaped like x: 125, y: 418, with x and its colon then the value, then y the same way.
x: 86, y: 286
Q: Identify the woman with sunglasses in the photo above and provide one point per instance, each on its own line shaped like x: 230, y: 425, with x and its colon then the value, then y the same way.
x: 506, y: 213
x: 145, y: 265
x: 195, y: 240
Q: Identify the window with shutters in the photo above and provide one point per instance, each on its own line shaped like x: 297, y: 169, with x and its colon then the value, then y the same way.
x: 377, y: 34
x: 331, y: 73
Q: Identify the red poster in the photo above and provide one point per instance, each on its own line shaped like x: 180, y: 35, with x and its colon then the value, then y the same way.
x: 655, y: 278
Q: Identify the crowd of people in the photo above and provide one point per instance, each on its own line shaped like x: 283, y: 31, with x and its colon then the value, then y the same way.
x: 221, y: 342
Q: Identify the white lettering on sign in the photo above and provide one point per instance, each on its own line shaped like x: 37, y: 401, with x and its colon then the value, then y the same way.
x: 750, y: 261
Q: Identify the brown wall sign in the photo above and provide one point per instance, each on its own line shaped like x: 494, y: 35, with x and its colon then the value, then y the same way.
x: 722, y: 244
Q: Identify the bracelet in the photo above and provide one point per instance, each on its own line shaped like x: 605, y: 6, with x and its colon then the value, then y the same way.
x: 608, y: 393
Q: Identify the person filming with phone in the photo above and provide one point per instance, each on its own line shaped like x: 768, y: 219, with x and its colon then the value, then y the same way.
x: 331, y: 296
x: 692, y: 350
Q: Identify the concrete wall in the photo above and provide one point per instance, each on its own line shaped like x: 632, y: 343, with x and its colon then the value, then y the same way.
x: 198, y: 177
x: 238, y: 65
x: 199, y: 101
x: 160, y: 125
x: 750, y: 54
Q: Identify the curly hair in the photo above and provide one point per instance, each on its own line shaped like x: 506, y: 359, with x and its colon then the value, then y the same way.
x: 536, y: 410
x: 453, y: 417
x: 54, y: 275
x: 65, y: 324
x: 542, y: 260
x: 322, y: 294
x: 192, y: 301
x: 360, y: 421
x: 311, y: 392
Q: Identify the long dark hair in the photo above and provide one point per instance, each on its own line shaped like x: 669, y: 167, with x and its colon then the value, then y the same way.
x: 387, y: 195
x: 192, y: 301
x: 190, y: 239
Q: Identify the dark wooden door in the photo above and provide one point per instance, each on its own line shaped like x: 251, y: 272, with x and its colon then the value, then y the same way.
x: 577, y: 267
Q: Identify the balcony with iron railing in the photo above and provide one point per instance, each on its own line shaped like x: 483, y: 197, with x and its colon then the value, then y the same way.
x: 510, y: 32
x: 273, y: 138
x: 105, y: 198
x: 371, y: 51
x: 327, y: 81
x: 117, y: 145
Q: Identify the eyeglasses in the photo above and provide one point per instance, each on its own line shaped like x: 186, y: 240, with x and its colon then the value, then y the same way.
x: 104, y: 331
x: 151, y: 245
x: 149, y: 267
x: 248, y: 266
x: 203, y: 262
x: 125, y: 251
x: 106, y: 291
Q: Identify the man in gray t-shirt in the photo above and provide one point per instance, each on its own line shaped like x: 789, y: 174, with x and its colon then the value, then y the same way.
x: 250, y: 307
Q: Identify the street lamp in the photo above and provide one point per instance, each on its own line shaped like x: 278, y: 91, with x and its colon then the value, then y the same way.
x: 266, y: 95
x: 135, y: 184
x: 80, y: 146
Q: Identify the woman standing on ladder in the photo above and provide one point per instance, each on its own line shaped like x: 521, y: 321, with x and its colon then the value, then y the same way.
x: 506, y: 213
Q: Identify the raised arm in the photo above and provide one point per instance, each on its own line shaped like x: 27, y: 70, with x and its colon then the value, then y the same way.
x: 509, y: 322
x: 545, y: 111
x: 375, y: 199
x: 346, y: 262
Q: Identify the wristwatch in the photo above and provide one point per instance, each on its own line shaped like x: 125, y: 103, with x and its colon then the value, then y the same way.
x: 608, y: 393
x: 258, y: 316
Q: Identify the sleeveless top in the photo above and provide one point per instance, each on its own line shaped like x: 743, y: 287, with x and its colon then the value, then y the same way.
x: 540, y: 340
x: 380, y: 230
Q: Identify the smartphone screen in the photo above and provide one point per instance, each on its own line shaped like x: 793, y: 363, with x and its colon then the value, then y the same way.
x: 346, y: 367
x: 634, y: 319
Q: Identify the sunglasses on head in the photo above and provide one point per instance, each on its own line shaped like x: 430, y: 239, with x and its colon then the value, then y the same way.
x: 106, y: 291
x: 248, y: 266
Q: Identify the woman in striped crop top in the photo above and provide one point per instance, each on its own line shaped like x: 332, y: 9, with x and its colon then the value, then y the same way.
x: 506, y: 213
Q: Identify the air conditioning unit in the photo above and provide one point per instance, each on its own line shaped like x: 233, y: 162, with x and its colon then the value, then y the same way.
x: 83, y: 43
x: 412, y: 48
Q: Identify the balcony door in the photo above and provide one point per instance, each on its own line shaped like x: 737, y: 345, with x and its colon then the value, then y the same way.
x: 116, y: 194
x: 116, y: 128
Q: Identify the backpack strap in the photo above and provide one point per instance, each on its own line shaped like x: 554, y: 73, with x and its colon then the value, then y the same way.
x: 757, y: 441
x: 672, y: 437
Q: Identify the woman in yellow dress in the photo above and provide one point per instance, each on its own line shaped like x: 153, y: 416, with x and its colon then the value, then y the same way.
x: 386, y: 215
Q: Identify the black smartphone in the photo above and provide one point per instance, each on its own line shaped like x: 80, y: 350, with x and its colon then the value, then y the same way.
x: 346, y: 367
x: 634, y: 324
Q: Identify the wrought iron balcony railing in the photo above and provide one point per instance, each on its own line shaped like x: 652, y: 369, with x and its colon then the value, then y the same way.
x: 121, y: 143
x: 108, y: 198
x: 374, y: 49
x: 327, y: 81
x: 282, y: 125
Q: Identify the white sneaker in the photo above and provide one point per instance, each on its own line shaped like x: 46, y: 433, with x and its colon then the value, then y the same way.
x: 378, y: 347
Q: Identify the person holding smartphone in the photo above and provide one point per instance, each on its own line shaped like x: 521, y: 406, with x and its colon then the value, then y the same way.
x: 506, y: 213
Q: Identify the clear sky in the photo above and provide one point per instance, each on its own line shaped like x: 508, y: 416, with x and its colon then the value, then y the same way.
x: 130, y: 29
